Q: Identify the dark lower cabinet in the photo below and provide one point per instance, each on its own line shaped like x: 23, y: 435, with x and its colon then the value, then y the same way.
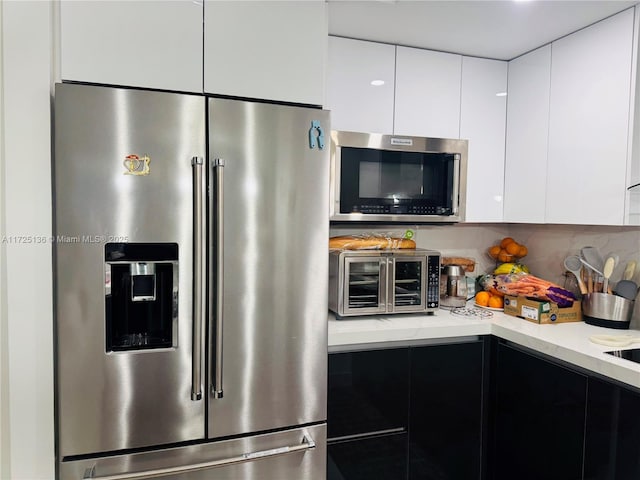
x: 367, y: 415
x: 477, y: 410
x: 445, y: 423
x: 539, y: 418
x: 368, y: 392
x: 406, y: 413
x: 612, y: 448
x: 374, y: 458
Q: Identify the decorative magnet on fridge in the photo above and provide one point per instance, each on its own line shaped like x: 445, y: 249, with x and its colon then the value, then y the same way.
x: 316, y: 135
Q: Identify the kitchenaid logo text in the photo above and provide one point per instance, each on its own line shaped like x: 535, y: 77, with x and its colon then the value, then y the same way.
x: 402, y: 141
x: 41, y: 239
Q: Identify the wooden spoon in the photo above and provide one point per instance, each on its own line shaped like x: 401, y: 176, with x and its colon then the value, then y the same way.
x: 629, y: 270
x: 607, y: 270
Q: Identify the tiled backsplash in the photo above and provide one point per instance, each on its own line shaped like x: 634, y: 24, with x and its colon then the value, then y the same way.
x: 548, y: 245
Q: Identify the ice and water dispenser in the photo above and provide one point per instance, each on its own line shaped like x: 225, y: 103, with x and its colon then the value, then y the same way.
x: 141, y: 290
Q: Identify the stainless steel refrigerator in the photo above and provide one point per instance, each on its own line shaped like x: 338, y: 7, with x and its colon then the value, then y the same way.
x: 191, y: 286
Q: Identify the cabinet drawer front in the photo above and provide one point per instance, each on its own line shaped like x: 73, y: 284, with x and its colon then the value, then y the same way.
x: 612, y: 446
x: 446, y: 411
x: 368, y: 392
x: 538, y: 405
x: 383, y: 457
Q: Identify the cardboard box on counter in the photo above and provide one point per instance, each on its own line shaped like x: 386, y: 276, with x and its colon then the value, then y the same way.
x: 541, y: 311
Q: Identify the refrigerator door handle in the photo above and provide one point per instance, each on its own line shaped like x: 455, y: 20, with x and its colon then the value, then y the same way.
x: 218, y: 271
x: 199, y: 278
x: 307, y: 444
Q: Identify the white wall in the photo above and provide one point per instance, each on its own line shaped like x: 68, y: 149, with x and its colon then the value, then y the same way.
x: 26, y: 318
x: 4, y: 371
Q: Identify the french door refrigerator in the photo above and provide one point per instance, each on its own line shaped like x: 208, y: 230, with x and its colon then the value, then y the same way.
x: 191, y: 267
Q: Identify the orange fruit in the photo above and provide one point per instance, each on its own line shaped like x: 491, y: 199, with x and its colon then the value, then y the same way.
x: 513, y: 248
x: 495, y: 292
x: 523, y: 251
x: 496, y: 302
x: 504, y: 256
x: 482, y: 298
x: 494, y: 251
x: 506, y: 241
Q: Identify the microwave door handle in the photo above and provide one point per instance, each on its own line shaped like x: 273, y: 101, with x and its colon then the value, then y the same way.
x: 199, y: 256
x: 217, y: 271
x: 455, y: 194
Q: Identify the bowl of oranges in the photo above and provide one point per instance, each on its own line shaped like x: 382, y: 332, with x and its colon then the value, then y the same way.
x: 492, y: 301
x: 508, y: 250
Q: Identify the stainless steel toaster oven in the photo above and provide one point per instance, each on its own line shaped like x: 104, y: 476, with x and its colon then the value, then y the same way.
x: 374, y: 282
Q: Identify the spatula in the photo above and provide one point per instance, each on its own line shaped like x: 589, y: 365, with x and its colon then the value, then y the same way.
x: 629, y: 270
x: 627, y: 289
x: 593, y: 258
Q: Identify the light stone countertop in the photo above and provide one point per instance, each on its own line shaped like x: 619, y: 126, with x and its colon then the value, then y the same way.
x: 568, y: 342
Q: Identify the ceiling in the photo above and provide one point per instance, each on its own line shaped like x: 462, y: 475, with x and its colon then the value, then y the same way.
x: 501, y: 29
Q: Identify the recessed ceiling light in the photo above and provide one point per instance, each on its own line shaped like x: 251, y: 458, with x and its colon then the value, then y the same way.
x: 501, y: 94
x: 377, y: 83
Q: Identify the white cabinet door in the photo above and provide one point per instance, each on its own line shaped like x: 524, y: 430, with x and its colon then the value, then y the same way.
x: 589, y: 119
x: 482, y: 123
x: 272, y: 50
x: 525, y: 182
x: 153, y: 44
x: 356, y: 105
x: 427, y: 93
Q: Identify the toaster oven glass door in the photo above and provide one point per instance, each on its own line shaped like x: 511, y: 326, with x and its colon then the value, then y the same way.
x: 397, y: 182
x: 407, y: 288
x: 365, y: 280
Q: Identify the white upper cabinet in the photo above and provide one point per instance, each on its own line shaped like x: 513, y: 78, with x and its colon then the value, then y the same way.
x: 527, y: 137
x: 153, y: 44
x: 427, y: 100
x: 356, y: 104
x: 589, y: 123
x: 482, y: 123
x: 268, y: 50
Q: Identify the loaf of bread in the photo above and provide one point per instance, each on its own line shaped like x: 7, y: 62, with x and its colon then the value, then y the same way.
x: 360, y: 242
x: 469, y: 264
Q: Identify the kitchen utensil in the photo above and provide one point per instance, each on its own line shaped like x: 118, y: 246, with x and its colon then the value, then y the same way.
x: 572, y: 264
x: 614, y: 340
x: 590, y: 266
x: 607, y: 270
x: 616, y: 259
x: 597, y: 283
x: 593, y: 258
x: 629, y: 270
x: 627, y: 289
x: 606, y: 310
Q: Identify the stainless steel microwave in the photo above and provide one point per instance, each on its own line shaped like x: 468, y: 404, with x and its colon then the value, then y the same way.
x: 371, y: 282
x: 396, y: 178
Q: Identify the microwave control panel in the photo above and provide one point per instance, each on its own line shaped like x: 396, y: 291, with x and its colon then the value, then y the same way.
x: 433, y: 281
x: 401, y: 209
